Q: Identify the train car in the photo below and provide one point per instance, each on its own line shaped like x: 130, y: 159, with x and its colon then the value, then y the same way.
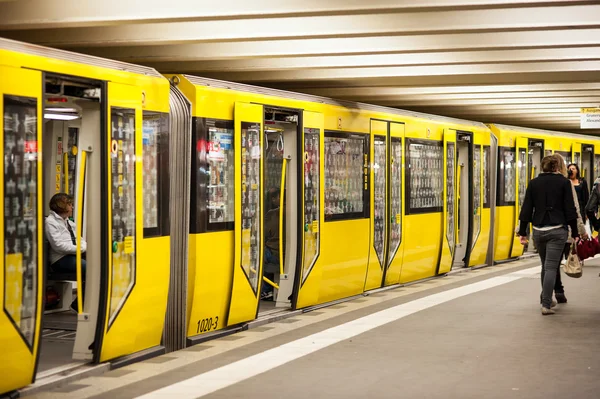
x: 90, y: 128
x: 321, y: 200
x: 520, y: 151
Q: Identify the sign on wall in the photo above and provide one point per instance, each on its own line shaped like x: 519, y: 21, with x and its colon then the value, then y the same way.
x: 590, y: 118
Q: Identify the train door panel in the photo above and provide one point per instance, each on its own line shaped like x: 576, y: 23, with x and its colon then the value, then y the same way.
x: 134, y: 280
x: 379, y: 218
x: 450, y: 203
x: 521, y: 187
x: 587, y: 164
x: 22, y: 279
x: 309, y: 277
x: 464, y: 198
x: 248, y: 222
x: 395, y: 204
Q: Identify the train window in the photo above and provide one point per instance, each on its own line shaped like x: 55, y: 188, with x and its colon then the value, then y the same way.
x: 507, y: 176
x: 312, y: 207
x: 155, y: 150
x: 20, y: 213
x: 123, y: 207
x: 212, y: 186
x: 396, y: 196
x: 380, y: 196
x: 596, y: 166
x: 487, y: 171
x: 424, y: 175
x: 346, y: 176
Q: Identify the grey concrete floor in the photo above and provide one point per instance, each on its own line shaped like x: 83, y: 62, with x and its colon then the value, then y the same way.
x: 489, y: 344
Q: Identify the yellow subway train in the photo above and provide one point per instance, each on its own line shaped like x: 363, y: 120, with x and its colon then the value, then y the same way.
x: 204, y: 205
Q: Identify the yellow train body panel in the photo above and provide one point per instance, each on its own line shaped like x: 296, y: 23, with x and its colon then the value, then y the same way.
x: 422, y: 246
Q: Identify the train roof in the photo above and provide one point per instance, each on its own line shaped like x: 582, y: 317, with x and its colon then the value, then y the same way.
x: 42, y: 51
x: 326, y: 100
x: 542, y: 131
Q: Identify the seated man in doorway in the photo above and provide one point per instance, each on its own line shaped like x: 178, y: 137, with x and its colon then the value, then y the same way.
x: 271, y: 258
x: 60, y: 232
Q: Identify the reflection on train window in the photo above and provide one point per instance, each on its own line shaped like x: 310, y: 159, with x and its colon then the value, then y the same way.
x: 486, y: 176
x: 507, y: 176
x: 251, y: 205
x: 396, y: 196
x: 522, y: 166
x: 155, y: 173
x: 346, y: 176
x: 212, y: 185
x: 450, y: 203
x: 379, y: 175
x: 425, y: 176
x: 476, y: 192
x: 311, y: 199
x: 20, y: 213
x: 123, y: 207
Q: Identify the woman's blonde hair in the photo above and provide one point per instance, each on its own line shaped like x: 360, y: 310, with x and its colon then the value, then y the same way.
x: 562, y: 165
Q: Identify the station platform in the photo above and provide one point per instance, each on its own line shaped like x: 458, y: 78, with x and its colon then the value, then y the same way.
x: 472, y: 334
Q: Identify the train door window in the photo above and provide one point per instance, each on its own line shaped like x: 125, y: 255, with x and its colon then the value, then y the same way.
x: 507, y: 176
x: 424, y: 176
x: 73, y: 115
x: 379, y: 173
x: 312, y: 169
x: 476, y: 193
x: 534, y: 161
x: 155, y: 143
x: 282, y: 189
x: 587, y: 164
x: 346, y: 176
x: 487, y: 171
x: 396, y: 197
x: 212, y: 185
x: 21, y: 214
x: 596, y: 166
x: 522, y: 170
x: 450, y: 200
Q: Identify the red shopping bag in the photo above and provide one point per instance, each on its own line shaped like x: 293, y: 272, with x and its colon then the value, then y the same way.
x: 588, y: 248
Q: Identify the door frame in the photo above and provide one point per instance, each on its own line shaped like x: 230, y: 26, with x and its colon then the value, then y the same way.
x: 460, y: 135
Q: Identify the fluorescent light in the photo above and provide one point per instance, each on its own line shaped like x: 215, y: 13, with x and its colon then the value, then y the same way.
x: 61, y: 117
x: 60, y: 110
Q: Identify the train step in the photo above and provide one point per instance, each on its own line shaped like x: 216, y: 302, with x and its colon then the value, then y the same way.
x: 63, y: 375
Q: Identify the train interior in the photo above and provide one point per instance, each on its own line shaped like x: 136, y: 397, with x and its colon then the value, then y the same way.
x: 72, y: 123
x: 280, y: 208
x: 464, y: 158
x: 587, y: 164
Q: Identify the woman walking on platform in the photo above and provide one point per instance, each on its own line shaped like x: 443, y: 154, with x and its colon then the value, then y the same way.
x: 550, y: 207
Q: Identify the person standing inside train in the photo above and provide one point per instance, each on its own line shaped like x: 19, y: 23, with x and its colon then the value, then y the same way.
x: 550, y: 208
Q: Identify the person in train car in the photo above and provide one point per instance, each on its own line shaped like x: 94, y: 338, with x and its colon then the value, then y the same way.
x: 271, y: 258
x: 60, y: 233
x: 550, y: 207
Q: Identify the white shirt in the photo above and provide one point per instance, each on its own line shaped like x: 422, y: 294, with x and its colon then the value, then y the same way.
x: 59, y: 237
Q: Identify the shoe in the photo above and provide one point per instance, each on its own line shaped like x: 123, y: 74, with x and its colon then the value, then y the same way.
x: 266, y: 295
x: 560, y: 297
x: 546, y: 311
x: 563, y: 262
x: 553, y: 304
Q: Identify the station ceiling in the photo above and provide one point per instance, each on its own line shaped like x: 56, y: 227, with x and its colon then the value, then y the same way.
x: 528, y: 63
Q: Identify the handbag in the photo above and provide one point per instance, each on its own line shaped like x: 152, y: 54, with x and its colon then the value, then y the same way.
x: 588, y: 248
x: 574, y: 266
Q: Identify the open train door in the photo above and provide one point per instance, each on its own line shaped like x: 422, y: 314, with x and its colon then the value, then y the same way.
x: 587, y: 164
x: 450, y: 203
x: 22, y: 278
x: 248, y: 225
x: 521, y: 187
x: 313, y: 214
